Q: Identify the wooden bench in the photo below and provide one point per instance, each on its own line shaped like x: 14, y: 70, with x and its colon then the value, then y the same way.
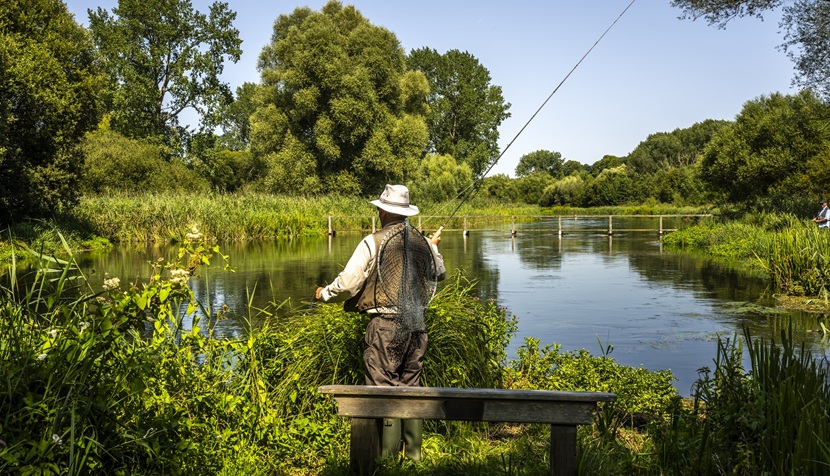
x: 368, y: 405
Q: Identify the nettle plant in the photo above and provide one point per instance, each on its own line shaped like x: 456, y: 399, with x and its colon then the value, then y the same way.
x: 83, y: 390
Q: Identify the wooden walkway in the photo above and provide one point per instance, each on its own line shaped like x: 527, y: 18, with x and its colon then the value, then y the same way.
x: 561, y: 224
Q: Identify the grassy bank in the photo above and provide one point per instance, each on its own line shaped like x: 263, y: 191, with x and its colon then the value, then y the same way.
x: 110, y: 381
x: 794, y: 254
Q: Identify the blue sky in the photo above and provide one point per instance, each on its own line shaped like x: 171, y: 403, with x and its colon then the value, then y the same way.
x: 651, y: 73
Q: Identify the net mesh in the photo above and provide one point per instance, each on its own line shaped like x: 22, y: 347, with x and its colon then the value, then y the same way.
x: 406, y: 271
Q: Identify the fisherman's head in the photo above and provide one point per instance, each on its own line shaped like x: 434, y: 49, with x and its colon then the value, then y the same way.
x: 394, y: 201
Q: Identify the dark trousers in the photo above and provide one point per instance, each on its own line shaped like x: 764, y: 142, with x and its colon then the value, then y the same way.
x: 381, y: 368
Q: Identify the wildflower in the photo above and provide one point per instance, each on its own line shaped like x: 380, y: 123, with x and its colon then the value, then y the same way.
x: 83, y: 326
x: 179, y: 276
x: 53, y: 333
x: 41, y: 357
x: 111, y: 283
x: 56, y: 439
x: 194, y: 234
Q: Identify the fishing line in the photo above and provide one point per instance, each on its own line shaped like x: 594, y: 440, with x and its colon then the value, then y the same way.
x: 478, y: 181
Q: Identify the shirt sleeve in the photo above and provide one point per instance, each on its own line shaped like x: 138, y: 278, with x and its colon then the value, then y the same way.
x: 349, y: 282
x: 440, y: 269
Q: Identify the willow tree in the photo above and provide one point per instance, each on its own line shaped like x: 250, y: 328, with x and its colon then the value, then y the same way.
x: 49, y: 83
x: 337, y: 110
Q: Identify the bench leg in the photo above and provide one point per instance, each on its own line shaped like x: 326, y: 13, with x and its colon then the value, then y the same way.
x: 364, y: 447
x: 562, y: 450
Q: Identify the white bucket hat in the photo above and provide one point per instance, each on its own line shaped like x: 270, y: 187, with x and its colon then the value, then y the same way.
x: 395, y: 199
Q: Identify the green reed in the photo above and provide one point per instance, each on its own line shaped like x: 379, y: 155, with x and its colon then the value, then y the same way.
x: 770, y: 419
x: 797, y: 260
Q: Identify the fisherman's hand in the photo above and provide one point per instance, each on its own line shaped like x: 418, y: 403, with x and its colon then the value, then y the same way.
x: 435, y: 238
x: 318, y: 293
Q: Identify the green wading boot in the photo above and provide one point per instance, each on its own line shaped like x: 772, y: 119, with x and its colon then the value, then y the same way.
x: 412, y: 431
x: 391, y: 438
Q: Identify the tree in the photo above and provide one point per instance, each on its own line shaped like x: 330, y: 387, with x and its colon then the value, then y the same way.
x: 336, y: 110
x: 465, y: 110
x: 568, y: 191
x: 572, y: 167
x: 117, y: 163
x: 164, y: 57
x: 49, y: 82
x: 441, y: 178
x: 776, y: 151
x: 500, y: 187
x: 606, y: 162
x: 679, y: 148
x: 235, y: 118
x: 541, y: 161
x: 613, y: 186
x: 806, y: 26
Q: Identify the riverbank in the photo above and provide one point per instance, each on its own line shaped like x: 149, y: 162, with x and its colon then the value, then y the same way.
x: 793, y: 254
x: 83, y: 395
x: 99, y: 221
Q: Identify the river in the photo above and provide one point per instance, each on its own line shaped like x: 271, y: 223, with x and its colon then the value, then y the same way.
x: 658, y: 309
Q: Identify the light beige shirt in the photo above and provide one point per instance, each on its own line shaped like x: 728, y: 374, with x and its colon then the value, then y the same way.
x: 349, y: 282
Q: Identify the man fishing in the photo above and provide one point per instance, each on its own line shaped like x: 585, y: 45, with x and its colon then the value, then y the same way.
x: 391, y: 276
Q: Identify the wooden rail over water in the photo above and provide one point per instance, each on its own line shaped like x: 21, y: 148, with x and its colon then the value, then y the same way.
x: 481, y: 222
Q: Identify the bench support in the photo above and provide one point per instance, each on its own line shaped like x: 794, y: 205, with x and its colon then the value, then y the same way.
x: 368, y: 405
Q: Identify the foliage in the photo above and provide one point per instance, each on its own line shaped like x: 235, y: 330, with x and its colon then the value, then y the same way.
x: 440, y: 178
x: 764, y: 420
x: 797, y: 260
x: 49, y: 82
x: 677, y: 149
x: 613, y: 186
x: 804, y: 23
x: 500, y: 187
x: 226, y: 169
x: 116, y: 163
x: 337, y: 111
x: 540, y: 161
x: 164, y: 57
x: 235, y: 118
x: 465, y: 110
x: 567, y: 191
x: 530, y: 188
x: 547, y: 368
x: 778, y: 148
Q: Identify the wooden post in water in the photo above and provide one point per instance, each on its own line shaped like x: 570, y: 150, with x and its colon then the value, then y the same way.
x: 513, y: 225
x: 661, y: 226
x: 420, y: 228
x: 330, y: 230
x: 560, y: 227
x: 466, y: 232
x: 610, y: 225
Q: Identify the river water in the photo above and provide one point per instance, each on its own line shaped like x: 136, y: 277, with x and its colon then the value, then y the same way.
x: 658, y: 309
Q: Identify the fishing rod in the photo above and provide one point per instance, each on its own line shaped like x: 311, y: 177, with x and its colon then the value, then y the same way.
x: 478, y: 181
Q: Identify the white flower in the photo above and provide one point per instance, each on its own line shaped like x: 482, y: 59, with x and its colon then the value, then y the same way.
x: 53, y: 333
x: 111, y: 283
x: 194, y: 234
x: 179, y: 276
x: 83, y: 325
x: 56, y: 439
x: 41, y: 357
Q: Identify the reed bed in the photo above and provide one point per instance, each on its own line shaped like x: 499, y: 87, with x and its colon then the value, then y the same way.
x: 797, y: 260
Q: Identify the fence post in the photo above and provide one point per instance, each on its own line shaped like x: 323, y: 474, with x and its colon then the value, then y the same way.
x: 512, y: 225
x: 465, y: 227
x: 331, y: 232
x: 610, y: 225
x: 560, y: 227
x: 661, y: 225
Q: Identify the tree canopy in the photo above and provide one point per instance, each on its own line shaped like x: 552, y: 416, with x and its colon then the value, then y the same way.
x: 806, y: 26
x: 337, y: 110
x: 465, y: 110
x: 163, y: 57
x: 49, y: 83
x: 776, y: 151
x: 541, y: 161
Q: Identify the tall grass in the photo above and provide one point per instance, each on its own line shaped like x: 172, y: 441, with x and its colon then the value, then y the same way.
x: 773, y: 418
x: 797, y: 260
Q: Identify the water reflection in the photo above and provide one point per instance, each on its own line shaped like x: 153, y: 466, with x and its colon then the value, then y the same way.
x: 659, y: 310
